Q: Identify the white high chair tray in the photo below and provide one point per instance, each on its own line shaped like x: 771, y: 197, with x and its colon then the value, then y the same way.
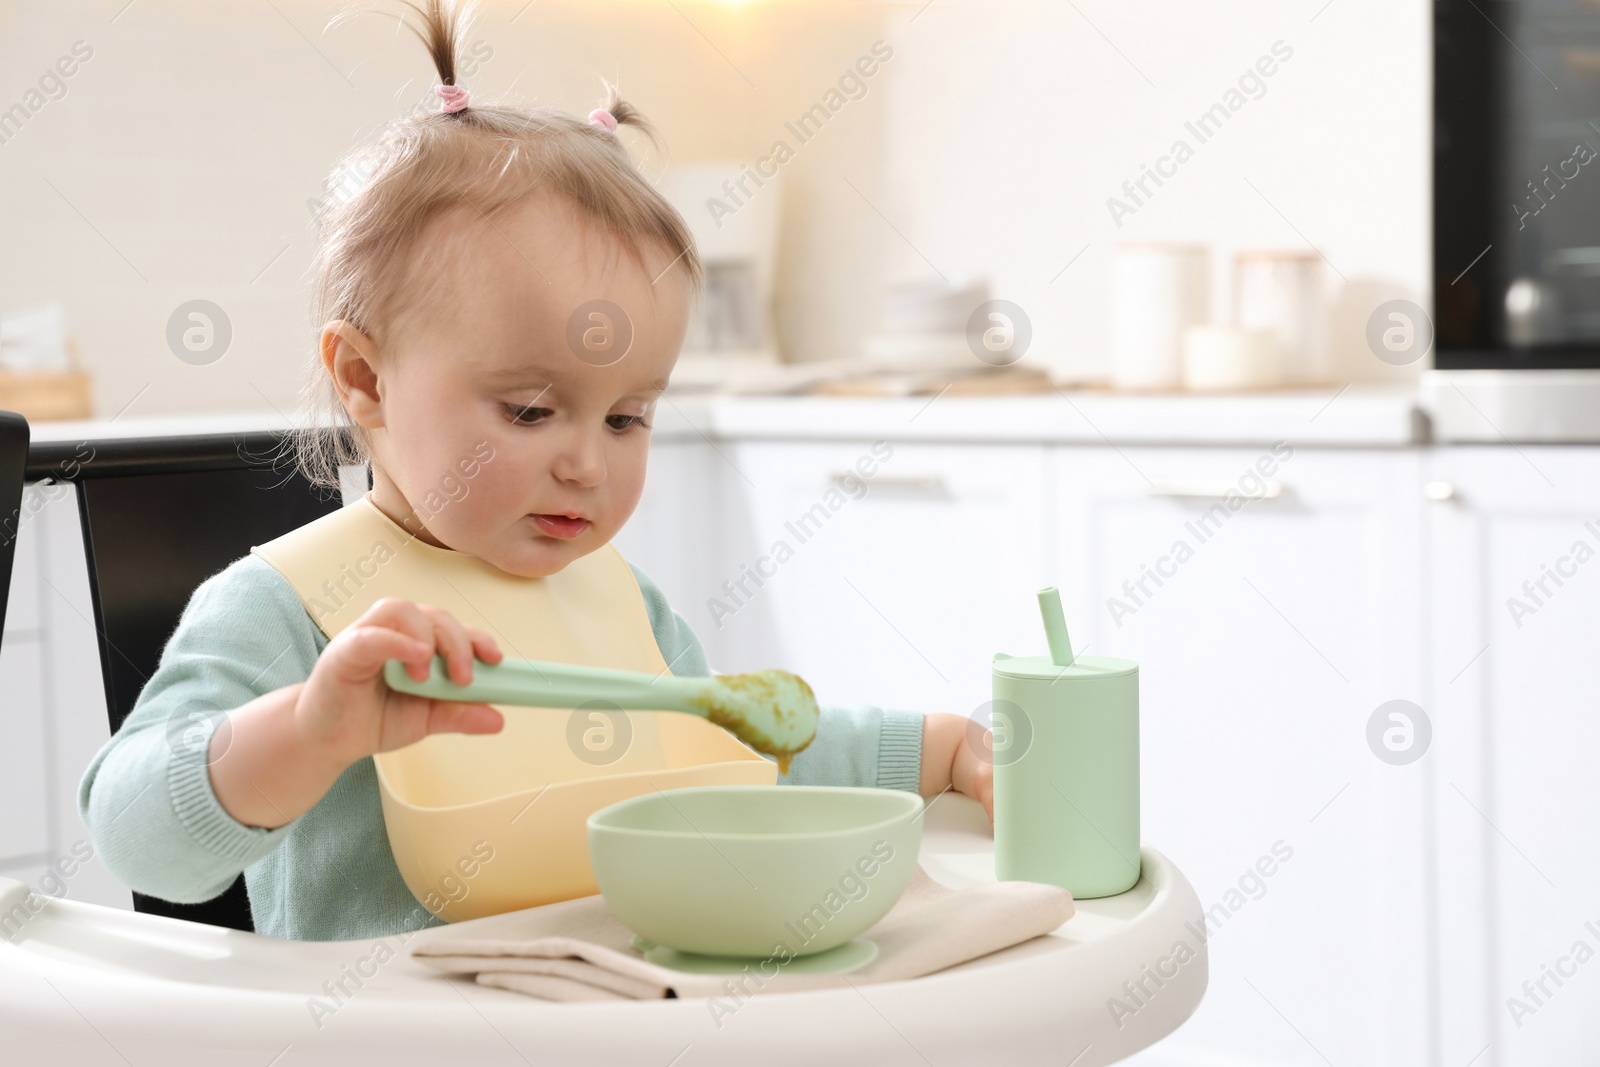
x: 83, y: 983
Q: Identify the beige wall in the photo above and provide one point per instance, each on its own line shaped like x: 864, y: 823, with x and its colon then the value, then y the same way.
x: 1029, y: 114
x: 180, y: 160
x: 186, y: 148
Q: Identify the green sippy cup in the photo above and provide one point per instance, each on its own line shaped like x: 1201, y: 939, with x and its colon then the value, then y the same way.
x: 1066, y: 766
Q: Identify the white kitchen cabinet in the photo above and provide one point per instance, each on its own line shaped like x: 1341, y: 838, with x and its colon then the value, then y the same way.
x: 22, y: 603
x: 1515, y: 608
x: 24, y: 789
x: 671, y: 535
x: 52, y: 705
x: 894, y: 587
x: 25, y: 785
x: 1274, y: 633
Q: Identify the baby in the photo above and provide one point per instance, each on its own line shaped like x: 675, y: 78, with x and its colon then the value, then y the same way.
x: 461, y: 288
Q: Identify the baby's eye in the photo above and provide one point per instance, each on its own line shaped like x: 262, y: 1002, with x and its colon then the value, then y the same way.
x: 628, y: 422
x: 525, y: 416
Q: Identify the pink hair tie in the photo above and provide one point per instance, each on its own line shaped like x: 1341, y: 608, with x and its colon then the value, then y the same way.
x: 454, y: 97
x: 601, y: 117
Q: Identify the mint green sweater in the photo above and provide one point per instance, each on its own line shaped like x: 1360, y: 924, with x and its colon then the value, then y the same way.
x: 329, y: 875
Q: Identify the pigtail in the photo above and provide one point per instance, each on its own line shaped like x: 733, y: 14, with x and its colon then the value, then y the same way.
x: 442, y: 30
x: 628, y: 115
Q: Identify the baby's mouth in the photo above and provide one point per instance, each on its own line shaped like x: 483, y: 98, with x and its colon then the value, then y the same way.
x: 563, y: 526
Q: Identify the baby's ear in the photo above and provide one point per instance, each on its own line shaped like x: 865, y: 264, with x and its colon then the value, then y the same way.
x: 350, y: 358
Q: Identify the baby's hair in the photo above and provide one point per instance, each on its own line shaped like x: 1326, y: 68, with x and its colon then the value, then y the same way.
x: 483, y: 157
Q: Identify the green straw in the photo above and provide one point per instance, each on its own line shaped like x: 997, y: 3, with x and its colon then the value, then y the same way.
x: 1055, y: 627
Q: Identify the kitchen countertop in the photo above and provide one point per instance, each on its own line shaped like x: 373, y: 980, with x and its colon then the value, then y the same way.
x: 1355, y: 416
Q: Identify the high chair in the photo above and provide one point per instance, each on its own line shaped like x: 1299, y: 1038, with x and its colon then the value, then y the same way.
x: 1104, y: 985
x: 13, y: 465
x: 113, y: 986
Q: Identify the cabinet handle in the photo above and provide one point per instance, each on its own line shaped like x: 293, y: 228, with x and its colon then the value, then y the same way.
x: 925, y: 484
x: 1439, y: 492
x: 1212, y: 490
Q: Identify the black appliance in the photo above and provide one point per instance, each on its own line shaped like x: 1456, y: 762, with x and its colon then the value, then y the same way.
x: 1516, y: 184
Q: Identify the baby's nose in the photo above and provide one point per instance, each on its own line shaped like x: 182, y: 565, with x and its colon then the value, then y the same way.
x: 580, y: 459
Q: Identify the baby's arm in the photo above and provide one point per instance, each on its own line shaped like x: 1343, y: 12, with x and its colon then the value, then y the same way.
x: 229, y: 742
x: 146, y: 797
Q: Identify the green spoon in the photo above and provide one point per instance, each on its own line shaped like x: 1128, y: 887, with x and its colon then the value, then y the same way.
x: 772, y: 711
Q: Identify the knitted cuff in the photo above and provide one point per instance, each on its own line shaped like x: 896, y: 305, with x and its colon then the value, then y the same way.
x: 208, y: 822
x: 900, y: 750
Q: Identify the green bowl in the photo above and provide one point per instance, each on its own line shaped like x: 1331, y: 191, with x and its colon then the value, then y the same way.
x: 755, y: 871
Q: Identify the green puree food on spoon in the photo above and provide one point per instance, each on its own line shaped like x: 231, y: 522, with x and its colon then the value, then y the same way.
x: 772, y: 711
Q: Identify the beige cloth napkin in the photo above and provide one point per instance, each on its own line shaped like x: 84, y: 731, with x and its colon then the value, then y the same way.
x: 579, y: 950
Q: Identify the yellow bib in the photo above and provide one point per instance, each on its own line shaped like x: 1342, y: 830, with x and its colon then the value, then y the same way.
x: 521, y: 796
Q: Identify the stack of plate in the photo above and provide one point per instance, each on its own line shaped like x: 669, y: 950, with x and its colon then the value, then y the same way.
x: 925, y: 325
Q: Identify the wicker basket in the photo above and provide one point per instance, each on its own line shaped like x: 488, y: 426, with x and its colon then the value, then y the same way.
x: 40, y: 396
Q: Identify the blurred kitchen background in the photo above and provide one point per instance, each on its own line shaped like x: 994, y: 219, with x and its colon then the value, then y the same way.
x: 1353, y: 316
x: 184, y: 158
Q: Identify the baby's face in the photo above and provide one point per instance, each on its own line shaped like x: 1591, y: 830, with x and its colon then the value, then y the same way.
x: 511, y: 396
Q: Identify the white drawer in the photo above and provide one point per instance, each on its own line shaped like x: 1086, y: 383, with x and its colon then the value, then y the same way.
x: 22, y: 603
x: 23, y: 789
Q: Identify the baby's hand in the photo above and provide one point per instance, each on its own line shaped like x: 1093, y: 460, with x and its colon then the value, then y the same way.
x: 347, y: 711
x: 953, y: 757
x: 973, y: 775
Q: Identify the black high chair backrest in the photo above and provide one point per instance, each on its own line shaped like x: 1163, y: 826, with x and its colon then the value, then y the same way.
x: 160, y: 516
x: 13, y: 468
